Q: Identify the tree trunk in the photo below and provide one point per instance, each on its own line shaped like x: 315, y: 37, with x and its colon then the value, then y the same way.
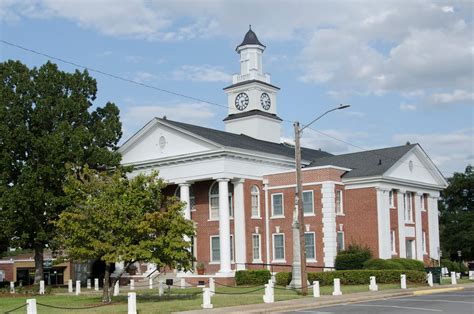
x: 38, y: 263
x: 106, y: 298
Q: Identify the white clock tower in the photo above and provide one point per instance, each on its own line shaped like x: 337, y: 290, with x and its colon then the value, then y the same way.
x: 251, y: 97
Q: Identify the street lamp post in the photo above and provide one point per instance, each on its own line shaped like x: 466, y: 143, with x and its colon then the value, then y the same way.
x: 299, y: 271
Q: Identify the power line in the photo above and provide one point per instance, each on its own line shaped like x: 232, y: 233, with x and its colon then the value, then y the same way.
x: 173, y: 92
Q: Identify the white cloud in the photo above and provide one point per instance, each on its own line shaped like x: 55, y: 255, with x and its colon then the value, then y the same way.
x: 457, y: 95
x: 143, y: 77
x: 201, y: 73
x: 333, y: 142
x: 407, y: 107
x: 449, y: 151
x: 133, y: 59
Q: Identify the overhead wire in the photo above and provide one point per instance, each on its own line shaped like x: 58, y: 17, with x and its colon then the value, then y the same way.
x: 163, y: 90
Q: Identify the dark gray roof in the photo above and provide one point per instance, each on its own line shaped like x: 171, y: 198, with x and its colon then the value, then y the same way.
x: 252, y: 113
x: 250, y: 82
x: 246, y: 142
x: 250, y: 39
x: 367, y: 163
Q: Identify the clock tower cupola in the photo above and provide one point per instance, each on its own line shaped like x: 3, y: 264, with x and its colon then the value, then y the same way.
x: 251, y: 97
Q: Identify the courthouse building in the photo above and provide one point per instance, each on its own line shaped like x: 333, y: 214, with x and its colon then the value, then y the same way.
x: 239, y: 185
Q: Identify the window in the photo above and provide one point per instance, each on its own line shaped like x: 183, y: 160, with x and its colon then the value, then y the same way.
x: 340, y: 241
x: 256, y: 253
x: 408, y: 207
x: 214, y: 203
x: 277, y: 204
x: 255, y: 200
x: 423, y: 243
x: 216, y: 249
x: 339, y: 210
x: 393, y: 242
x: 422, y: 200
x: 310, y: 245
x: 278, y: 247
x: 192, y: 198
x: 308, y: 203
x: 410, y: 248
x: 390, y: 197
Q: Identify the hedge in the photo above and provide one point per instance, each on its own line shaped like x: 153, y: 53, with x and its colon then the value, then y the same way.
x: 352, y: 258
x: 356, y: 277
x: 378, y: 263
x: 252, y: 277
x: 453, y: 266
x: 410, y: 264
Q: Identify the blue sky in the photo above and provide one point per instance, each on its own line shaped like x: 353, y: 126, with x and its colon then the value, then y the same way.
x: 405, y: 67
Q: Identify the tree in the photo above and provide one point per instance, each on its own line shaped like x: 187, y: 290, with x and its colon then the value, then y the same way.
x: 457, y: 216
x: 47, y: 121
x: 116, y: 219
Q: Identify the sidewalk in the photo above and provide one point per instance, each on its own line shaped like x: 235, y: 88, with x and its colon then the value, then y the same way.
x: 306, y: 303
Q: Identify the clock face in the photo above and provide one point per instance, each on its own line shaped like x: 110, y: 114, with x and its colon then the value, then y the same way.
x: 241, y: 101
x: 265, y: 101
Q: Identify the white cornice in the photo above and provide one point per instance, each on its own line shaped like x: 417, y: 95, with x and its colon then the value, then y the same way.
x: 310, y: 168
x: 375, y: 180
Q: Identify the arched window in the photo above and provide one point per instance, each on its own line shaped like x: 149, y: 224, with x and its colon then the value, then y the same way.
x: 192, y: 198
x: 214, y: 202
x: 255, y: 201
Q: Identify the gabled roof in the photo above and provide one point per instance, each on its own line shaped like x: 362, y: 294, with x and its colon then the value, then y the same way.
x: 253, y: 112
x: 250, y: 39
x: 242, y: 141
x: 367, y: 163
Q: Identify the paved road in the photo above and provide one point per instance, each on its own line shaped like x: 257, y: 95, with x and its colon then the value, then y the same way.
x: 461, y: 302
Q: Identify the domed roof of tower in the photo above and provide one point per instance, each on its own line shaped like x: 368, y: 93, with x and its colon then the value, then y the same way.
x: 250, y: 39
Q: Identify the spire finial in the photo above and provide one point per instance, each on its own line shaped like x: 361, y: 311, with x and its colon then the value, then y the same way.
x: 250, y: 27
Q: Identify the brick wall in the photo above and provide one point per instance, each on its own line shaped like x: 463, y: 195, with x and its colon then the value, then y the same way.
x: 8, y: 269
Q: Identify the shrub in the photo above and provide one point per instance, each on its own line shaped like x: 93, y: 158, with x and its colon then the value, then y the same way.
x: 453, y: 266
x: 283, y: 278
x: 252, y: 277
x: 361, y: 277
x: 378, y: 263
x: 409, y: 264
x: 352, y: 258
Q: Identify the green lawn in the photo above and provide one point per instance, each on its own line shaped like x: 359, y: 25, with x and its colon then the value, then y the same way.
x: 149, y: 302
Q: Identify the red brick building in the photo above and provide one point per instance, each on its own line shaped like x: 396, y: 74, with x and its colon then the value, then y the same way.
x: 239, y: 185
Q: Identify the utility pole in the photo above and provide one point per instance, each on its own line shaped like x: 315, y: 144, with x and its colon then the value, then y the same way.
x: 299, y: 196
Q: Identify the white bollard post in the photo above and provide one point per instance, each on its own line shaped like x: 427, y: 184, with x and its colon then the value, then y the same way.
x: 430, y: 279
x: 160, y: 288
x: 453, y: 278
x: 116, y: 289
x: 150, y: 283
x: 269, y: 296
x: 183, y: 283
x: 41, y: 290
x: 206, y: 299
x: 12, y: 287
x: 78, y: 287
x: 458, y: 275
x: 69, y: 286
x: 31, y: 306
x: 337, y: 287
x: 132, y: 284
x: 96, y: 284
x: 212, y: 285
x: 132, y: 303
x: 471, y: 275
x: 89, y: 284
x: 373, y: 284
x: 316, y: 293
x: 403, y: 281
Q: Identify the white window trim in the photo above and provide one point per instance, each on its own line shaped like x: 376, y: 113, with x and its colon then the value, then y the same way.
x: 343, y: 241
x: 394, y: 244
x: 282, y: 206
x: 392, y: 199
x: 252, y: 216
x: 422, y: 198
x: 273, y: 248
x: 341, y: 213
x: 231, y: 205
x: 408, y: 210
x: 312, y: 213
x: 259, y: 248
x: 312, y: 260
x: 232, y: 245
x: 423, y: 235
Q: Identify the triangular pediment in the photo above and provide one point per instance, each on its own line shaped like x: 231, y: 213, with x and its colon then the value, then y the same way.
x: 416, y: 166
x: 157, y: 140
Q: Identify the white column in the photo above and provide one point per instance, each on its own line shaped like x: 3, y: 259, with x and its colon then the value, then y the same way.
x: 433, y: 226
x: 132, y: 303
x: 78, y: 287
x: 418, y: 227
x: 329, y: 223
x: 401, y: 225
x: 383, y: 223
x: 239, y: 225
x: 41, y: 288
x: 184, y: 197
x: 267, y: 225
x: 224, y: 225
x: 69, y: 286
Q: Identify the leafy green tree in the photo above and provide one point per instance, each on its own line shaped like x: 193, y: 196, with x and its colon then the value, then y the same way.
x: 46, y: 121
x: 457, y: 216
x: 116, y: 219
